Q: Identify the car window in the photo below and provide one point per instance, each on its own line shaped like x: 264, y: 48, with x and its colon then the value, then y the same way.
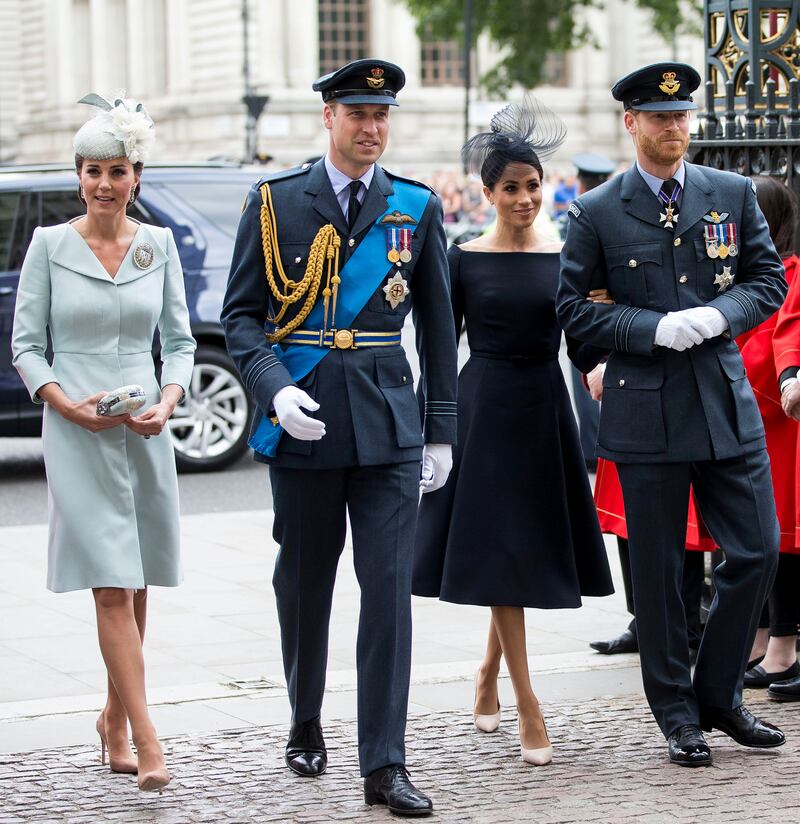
x: 18, y: 218
x: 219, y: 202
x: 10, y: 214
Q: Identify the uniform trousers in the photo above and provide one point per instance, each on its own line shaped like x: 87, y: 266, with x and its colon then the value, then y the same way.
x: 691, y: 590
x: 310, y: 526
x: 737, y: 504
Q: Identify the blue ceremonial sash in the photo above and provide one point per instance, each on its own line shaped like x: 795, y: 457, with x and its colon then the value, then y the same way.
x: 360, y: 278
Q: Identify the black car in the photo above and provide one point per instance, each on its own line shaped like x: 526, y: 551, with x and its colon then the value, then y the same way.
x: 201, y: 203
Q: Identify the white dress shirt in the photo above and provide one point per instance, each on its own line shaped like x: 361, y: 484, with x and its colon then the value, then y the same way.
x: 655, y: 183
x: 340, y: 182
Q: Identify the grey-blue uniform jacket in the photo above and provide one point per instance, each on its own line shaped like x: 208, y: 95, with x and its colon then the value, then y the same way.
x: 660, y: 405
x: 366, y: 395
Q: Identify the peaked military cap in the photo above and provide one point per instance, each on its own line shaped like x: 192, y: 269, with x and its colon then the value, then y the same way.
x: 363, y: 81
x: 595, y: 165
x: 660, y: 87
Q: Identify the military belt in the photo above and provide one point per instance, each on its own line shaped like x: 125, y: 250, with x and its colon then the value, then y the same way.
x: 342, y: 338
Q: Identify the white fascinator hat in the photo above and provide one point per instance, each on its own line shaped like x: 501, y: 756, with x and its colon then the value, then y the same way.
x: 121, y: 128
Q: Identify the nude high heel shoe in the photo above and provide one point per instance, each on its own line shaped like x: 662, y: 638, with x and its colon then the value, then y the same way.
x: 117, y: 764
x: 153, y: 780
x: 485, y: 723
x: 538, y: 756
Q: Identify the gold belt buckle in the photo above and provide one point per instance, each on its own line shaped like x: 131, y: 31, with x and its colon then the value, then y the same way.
x: 344, y: 339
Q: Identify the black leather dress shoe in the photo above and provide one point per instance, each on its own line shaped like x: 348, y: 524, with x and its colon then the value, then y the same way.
x: 742, y: 726
x: 688, y: 748
x: 759, y: 678
x: 391, y: 785
x: 754, y: 662
x: 627, y: 642
x: 305, y: 751
x: 785, y: 690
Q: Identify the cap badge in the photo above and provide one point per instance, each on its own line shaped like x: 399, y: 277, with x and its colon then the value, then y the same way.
x: 143, y: 255
x: 376, y: 81
x: 669, y: 85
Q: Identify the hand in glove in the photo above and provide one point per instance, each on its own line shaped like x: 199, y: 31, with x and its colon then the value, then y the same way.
x: 677, y: 331
x: 287, y: 403
x: 707, y: 320
x: 437, y: 461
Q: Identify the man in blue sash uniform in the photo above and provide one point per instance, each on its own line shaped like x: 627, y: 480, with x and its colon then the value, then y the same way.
x: 687, y: 256
x: 333, y: 255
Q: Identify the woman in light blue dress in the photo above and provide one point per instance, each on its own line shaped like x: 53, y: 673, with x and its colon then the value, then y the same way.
x: 101, y: 285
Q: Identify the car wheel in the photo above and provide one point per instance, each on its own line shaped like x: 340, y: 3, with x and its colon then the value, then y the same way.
x: 209, y: 429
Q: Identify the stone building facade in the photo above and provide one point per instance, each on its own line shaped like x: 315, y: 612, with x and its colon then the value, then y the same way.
x: 185, y: 58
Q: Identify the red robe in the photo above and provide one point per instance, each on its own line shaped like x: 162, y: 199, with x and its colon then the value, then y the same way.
x: 767, y: 350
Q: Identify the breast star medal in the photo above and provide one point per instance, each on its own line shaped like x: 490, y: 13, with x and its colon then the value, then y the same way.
x: 396, y: 290
x: 143, y: 255
x: 723, y: 279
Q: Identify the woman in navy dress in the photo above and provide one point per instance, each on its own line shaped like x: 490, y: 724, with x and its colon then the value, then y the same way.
x: 515, y: 525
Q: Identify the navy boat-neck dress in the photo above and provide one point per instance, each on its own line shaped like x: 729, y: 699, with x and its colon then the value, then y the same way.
x: 515, y: 524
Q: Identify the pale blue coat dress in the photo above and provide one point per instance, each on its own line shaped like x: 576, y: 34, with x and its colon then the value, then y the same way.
x: 113, y: 495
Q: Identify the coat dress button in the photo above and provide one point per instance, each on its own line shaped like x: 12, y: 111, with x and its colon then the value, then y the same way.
x: 676, y: 242
x: 622, y: 381
x: 351, y: 242
x: 632, y: 263
x: 683, y: 279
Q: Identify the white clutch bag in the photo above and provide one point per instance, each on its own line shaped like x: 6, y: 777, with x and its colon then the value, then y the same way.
x: 124, y: 399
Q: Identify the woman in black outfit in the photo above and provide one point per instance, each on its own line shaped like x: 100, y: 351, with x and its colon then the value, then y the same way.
x: 515, y: 525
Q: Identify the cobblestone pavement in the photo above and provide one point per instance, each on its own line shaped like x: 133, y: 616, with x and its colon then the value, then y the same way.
x: 609, y: 766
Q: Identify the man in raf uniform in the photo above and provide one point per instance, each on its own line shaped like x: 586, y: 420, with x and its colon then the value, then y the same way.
x: 592, y: 169
x: 686, y: 255
x: 333, y: 255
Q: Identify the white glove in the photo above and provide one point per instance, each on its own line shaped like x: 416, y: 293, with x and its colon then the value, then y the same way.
x: 287, y: 403
x: 676, y: 331
x: 437, y: 461
x: 707, y: 320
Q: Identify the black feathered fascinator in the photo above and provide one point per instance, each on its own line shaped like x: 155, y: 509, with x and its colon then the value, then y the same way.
x: 517, y: 131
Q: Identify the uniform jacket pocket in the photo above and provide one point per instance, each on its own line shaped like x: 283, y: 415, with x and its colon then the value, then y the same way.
x: 635, y: 274
x: 631, y: 415
x: 708, y: 269
x: 396, y: 383
x: 749, y: 424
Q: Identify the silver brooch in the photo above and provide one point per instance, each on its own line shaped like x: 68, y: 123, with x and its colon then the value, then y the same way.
x: 143, y: 255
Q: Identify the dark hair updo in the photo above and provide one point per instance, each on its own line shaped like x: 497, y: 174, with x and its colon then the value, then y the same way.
x: 508, y: 149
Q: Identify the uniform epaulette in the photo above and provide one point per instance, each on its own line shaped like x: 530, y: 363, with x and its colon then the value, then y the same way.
x: 395, y: 176
x: 285, y: 173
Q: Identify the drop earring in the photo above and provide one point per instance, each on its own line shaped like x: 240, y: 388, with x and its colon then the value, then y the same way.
x: 132, y: 198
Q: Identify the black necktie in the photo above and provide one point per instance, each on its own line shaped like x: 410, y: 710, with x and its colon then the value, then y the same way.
x: 353, y: 206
